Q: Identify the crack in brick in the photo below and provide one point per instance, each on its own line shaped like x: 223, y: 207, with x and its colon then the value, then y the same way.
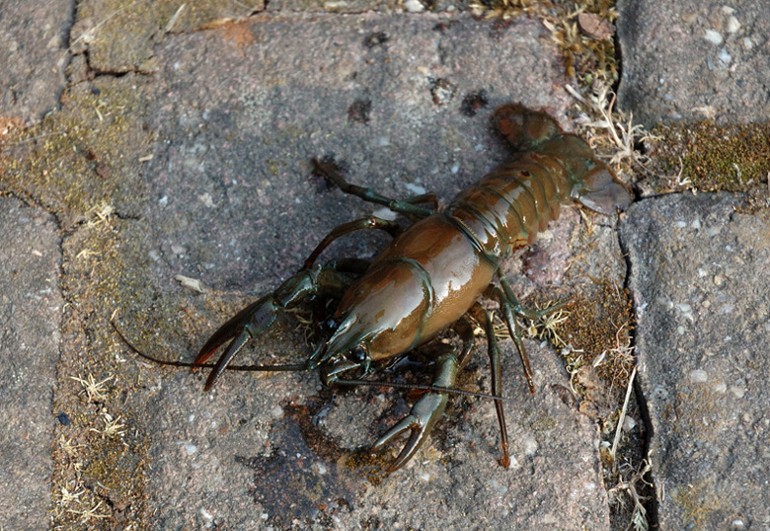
x: 651, y: 504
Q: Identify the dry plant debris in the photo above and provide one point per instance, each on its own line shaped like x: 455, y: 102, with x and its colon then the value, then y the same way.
x: 582, y: 31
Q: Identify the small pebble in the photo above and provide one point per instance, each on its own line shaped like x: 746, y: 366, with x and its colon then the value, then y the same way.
x: 713, y: 231
x: 206, y: 515
x: 498, y: 488
x: 414, y: 6
x: 725, y: 57
x: 416, y: 189
x: 595, y: 26
x: 206, y: 199
x: 63, y: 419
x: 686, y: 311
x: 530, y: 446
x: 385, y: 213
x: 714, y: 37
x: 698, y: 376
x: 442, y: 91
x: 660, y: 392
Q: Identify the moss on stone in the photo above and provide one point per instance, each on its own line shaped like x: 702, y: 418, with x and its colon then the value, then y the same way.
x: 74, y: 162
x: 698, y: 503
x: 600, y: 322
x: 83, y: 165
x: 711, y: 157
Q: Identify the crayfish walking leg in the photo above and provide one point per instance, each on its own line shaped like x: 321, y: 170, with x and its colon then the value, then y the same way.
x: 331, y: 172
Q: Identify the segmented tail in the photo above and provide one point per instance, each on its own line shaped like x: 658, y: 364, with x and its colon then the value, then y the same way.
x: 592, y: 182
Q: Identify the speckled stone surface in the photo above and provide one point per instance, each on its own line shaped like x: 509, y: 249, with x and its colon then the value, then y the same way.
x: 30, y: 312
x: 699, y: 279
x: 694, y: 60
x: 34, y: 50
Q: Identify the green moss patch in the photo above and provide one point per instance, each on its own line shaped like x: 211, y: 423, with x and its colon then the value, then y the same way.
x: 709, y: 157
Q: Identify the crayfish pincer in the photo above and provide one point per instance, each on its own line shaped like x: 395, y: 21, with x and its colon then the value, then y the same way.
x: 430, y: 276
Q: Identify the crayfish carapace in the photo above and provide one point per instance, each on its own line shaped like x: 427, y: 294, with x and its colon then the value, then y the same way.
x: 431, y: 276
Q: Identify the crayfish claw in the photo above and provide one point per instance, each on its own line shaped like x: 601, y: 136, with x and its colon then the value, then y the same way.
x: 420, y: 422
x: 232, y: 349
x: 424, y: 415
x: 227, y: 331
x: 252, y: 320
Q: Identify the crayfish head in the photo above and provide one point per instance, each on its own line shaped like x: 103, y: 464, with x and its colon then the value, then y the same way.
x: 344, y: 352
x: 354, y: 365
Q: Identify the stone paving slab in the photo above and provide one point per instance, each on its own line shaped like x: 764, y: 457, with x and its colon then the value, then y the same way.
x: 240, y: 112
x: 30, y: 312
x: 699, y: 279
x: 33, y: 47
x: 121, y: 37
x: 695, y: 60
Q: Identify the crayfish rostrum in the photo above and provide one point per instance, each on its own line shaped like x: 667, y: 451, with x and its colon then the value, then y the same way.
x: 432, y: 274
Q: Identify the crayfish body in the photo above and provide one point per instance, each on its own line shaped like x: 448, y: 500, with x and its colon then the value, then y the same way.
x: 432, y: 274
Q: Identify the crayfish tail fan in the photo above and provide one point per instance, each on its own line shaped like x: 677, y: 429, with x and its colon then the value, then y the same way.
x: 601, y: 191
x: 524, y: 128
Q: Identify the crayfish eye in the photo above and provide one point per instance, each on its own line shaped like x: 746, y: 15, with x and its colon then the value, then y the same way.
x: 358, y: 354
x: 329, y: 325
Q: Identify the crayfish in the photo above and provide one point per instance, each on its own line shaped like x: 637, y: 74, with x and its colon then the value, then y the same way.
x: 432, y: 274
